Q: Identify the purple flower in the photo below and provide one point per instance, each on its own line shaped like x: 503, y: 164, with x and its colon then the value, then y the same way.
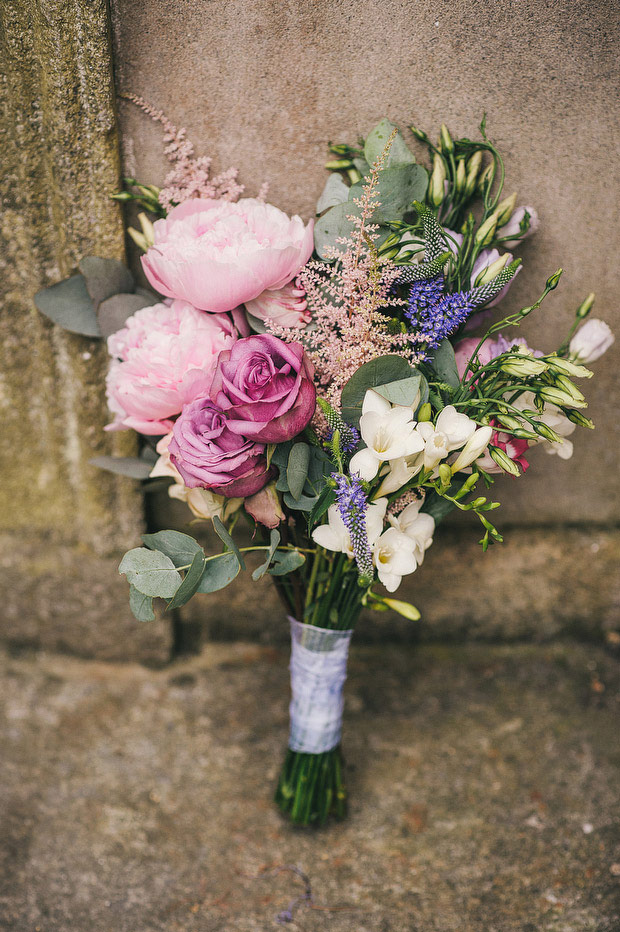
x: 353, y: 505
x: 210, y: 456
x: 265, y: 387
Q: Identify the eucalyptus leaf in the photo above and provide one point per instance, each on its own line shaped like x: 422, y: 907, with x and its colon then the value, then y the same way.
x: 297, y: 468
x: 333, y: 224
x: 257, y: 325
x: 379, y: 371
x: 334, y: 192
x: 404, y: 392
x: 105, y: 277
x: 362, y: 166
x: 303, y: 503
x: 219, y: 572
x: 180, y: 548
x: 190, y: 582
x: 444, y: 364
x: 130, y: 466
x: 260, y: 571
x: 68, y: 304
x: 227, y: 540
x: 112, y: 313
x: 141, y: 605
x: 286, y: 562
x: 376, y: 141
x: 151, y: 572
x: 398, y: 187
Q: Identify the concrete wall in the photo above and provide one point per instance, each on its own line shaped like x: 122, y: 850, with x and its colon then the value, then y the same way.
x: 263, y: 86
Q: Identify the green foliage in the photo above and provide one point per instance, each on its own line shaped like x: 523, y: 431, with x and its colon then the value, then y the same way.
x: 69, y: 305
x: 114, y: 311
x: 151, y: 572
x: 178, y: 547
x: 376, y: 141
x: 132, y: 466
x: 319, y: 468
x: 227, y: 540
x: 190, y: 583
x: 398, y: 188
x: 297, y: 469
x: 403, y: 392
x: 444, y: 364
x: 378, y: 372
x: 260, y: 571
x: 141, y: 605
x: 219, y: 572
x: 286, y: 562
x: 334, y: 192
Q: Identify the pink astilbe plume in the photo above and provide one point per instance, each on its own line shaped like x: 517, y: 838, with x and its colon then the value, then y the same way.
x: 351, y: 300
x: 190, y: 176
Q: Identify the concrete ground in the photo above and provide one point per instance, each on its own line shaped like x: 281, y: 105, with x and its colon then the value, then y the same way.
x: 483, y: 794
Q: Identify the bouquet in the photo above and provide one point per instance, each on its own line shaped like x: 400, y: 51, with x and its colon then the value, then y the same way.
x: 339, y: 385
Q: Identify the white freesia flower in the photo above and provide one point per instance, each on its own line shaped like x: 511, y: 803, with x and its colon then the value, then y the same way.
x: 451, y: 431
x: 394, y: 557
x: 388, y: 432
x: 335, y: 536
x: 475, y: 447
x: 400, y: 471
x: 590, y: 342
x: 417, y: 525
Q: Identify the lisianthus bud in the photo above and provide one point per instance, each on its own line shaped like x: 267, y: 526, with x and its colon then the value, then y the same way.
x: 556, y: 396
x: 504, y: 461
x: 578, y: 418
x: 591, y: 340
x: 485, y: 233
x: 461, y: 175
x: 505, y: 208
x: 585, y: 307
x: 445, y: 139
x: 436, y: 185
x: 521, y: 365
x: 473, y: 167
x: 338, y: 164
x: 554, y: 280
x: 569, y: 387
x: 485, y: 178
x: 566, y: 367
x: 547, y: 432
x: 489, y: 273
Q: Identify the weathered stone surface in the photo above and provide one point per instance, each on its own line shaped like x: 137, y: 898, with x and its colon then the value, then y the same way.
x: 265, y: 85
x: 483, y: 795
x: 59, y: 166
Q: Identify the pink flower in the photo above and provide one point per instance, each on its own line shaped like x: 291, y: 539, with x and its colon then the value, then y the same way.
x: 218, y: 255
x: 285, y: 306
x: 489, y: 350
x: 164, y: 356
x: 210, y: 456
x: 265, y: 387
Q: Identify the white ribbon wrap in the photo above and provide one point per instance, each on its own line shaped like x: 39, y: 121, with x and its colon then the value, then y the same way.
x: 318, y: 671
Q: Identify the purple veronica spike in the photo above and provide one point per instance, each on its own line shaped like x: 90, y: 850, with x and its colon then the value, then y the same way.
x: 352, y: 505
x: 436, y: 315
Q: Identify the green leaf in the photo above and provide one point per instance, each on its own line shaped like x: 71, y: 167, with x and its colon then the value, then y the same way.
x: 444, y: 364
x: 180, y: 548
x: 297, y: 468
x: 286, y: 562
x: 334, y: 192
x: 227, y: 540
x: 219, y: 572
x: 437, y: 506
x: 141, y: 605
x: 262, y: 569
x: 379, y: 371
x: 112, y: 313
x: 151, y: 572
x: 398, y: 188
x: 333, y: 224
x: 404, y: 392
x: 131, y: 466
x: 105, y: 277
x: 69, y: 305
x: 376, y: 141
x: 190, y: 582
x: 325, y: 499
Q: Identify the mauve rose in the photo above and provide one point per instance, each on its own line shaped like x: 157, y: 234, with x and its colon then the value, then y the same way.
x: 210, y: 456
x: 265, y: 387
x: 164, y: 357
x: 218, y: 255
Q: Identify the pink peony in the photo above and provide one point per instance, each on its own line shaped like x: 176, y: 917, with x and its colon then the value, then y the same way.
x: 210, y: 456
x: 286, y: 306
x: 218, y: 255
x: 265, y: 387
x: 164, y: 356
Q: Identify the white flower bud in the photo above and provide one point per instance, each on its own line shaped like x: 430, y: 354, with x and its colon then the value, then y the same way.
x: 591, y: 340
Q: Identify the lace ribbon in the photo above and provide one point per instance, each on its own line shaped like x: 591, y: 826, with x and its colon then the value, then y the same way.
x: 318, y: 671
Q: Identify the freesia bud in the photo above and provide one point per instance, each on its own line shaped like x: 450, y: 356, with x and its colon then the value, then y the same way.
x: 445, y: 474
x: 585, y: 307
x: 505, y: 209
x: 474, y: 448
x: 445, y: 139
x: 436, y: 185
x: 425, y: 412
x: 461, y: 175
x: 591, y: 340
x: 485, y: 233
